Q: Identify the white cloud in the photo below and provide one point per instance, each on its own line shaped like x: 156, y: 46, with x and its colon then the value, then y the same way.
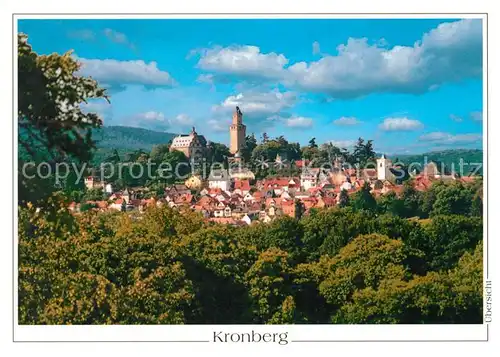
x: 260, y: 109
x: 219, y: 125
x: 101, y: 108
x: 442, y: 138
x: 400, y: 124
x: 346, y: 121
x: 151, y: 116
x: 258, y: 104
x: 448, y: 53
x: 316, y: 49
x: 182, y: 120
x: 158, y: 121
x: 115, y: 72
x: 245, y: 61
x: 298, y: 122
x: 476, y: 116
x: 205, y: 78
x: 456, y: 118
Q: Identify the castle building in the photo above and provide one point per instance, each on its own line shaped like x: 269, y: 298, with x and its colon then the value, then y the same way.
x: 237, y: 132
x: 192, y: 145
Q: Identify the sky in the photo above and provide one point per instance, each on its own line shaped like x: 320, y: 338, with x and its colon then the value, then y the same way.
x: 410, y: 85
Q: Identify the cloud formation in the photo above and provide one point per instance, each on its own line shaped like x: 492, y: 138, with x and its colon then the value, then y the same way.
x: 158, y: 121
x: 101, y: 108
x: 219, y: 126
x: 260, y: 109
x: 245, y: 61
x: 347, y: 121
x: 258, y: 104
x: 298, y: 122
x: 442, y: 138
x: 400, y: 124
x: 114, y: 72
x: 448, y: 53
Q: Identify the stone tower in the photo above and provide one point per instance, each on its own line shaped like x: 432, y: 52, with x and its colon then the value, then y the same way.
x: 237, y: 132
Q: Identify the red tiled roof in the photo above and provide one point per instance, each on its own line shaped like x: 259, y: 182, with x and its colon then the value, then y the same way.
x: 258, y: 195
x: 277, y: 201
x: 243, y: 185
x: 275, y: 183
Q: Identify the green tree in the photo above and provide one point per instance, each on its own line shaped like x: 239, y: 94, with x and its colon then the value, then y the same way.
x: 51, y: 122
x: 269, y: 285
x: 217, y: 152
x: 363, y: 199
x: 248, y: 147
x: 175, y: 165
x: 158, y: 152
x: 343, y: 199
x: 365, y: 262
x: 453, y: 199
x: 453, y: 296
x: 94, y: 194
x: 52, y: 127
x: 363, y: 152
x: 411, y: 200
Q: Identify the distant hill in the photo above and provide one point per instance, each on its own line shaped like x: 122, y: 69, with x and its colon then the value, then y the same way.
x: 125, y: 139
x: 447, y: 157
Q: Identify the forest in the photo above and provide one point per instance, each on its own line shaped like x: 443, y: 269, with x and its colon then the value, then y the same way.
x: 360, y: 263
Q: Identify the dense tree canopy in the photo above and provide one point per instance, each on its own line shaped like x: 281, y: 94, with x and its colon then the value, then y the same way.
x: 338, y: 265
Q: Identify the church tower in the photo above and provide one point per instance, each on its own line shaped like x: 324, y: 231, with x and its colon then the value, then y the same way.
x: 383, y: 168
x: 237, y: 132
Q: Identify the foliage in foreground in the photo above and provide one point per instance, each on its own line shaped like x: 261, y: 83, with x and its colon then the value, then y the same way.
x: 170, y: 267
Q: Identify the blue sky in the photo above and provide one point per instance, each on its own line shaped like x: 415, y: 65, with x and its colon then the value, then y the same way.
x: 411, y: 85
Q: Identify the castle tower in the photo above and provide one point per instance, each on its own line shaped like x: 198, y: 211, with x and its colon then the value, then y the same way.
x: 383, y: 168
x: 237, y: 132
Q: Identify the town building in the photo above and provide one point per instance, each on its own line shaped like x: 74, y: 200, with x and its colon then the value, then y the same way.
x: 384, y: 166
x: 194, y: 146
x: 219, y: 179
x: 309, y: 178
x: 93, y: 182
